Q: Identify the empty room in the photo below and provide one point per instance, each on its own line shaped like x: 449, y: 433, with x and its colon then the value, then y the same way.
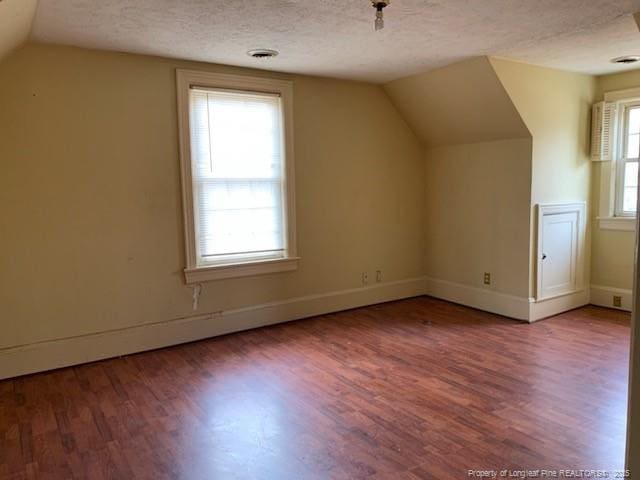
x: 297, y: 239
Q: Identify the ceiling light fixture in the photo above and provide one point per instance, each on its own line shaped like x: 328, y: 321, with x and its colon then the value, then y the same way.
x: 626, y: 59
x: 262, y: 53
x: 379, y: 6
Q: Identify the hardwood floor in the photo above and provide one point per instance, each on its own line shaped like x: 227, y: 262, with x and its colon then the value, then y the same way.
x: 413, y: 389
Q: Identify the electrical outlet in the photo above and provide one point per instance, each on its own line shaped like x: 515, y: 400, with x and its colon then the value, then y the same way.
x: 378, y: 276
x: 617, y: 301
x: 487, y: 278
x: 365, y: 278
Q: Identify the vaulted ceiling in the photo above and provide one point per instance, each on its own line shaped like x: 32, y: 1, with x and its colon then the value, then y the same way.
x: 15, y: 23
x: 460, y: 103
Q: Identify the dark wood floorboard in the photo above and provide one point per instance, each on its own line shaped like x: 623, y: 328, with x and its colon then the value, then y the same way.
x: 414, y: 389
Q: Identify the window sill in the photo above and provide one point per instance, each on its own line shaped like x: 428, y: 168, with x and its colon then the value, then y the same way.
x: 245, y: 269
x: 627, y: 224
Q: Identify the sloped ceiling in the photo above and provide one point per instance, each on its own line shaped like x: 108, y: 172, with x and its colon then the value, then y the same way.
x: 16, y: 17
x: 461, y: 103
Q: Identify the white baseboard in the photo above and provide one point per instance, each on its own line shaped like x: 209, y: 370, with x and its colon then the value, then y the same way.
x: 481, y: 298
x: 539, y: 309
x: 603, y: 296
x: 519, y: 308
x: 48, y: 355
x: 57, y: 353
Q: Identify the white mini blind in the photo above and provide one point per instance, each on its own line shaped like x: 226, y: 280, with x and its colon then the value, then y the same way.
x: 603, y: 120
x: 238, y: 175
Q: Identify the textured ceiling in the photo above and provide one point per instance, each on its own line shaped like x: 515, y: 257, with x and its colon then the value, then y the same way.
x: 336, y: 37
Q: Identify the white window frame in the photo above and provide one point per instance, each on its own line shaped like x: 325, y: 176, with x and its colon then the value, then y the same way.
x: 195, y: 272
x: 621, y: 157
x: 609, y: 190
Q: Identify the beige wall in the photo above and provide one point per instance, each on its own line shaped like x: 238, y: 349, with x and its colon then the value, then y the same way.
x: 612, y: 250
x: 16, y: 17
x: 90, y: 209
x: 477, y: 204
x: 481, y: 193
x: 556, y: 108
x: 617, y: 81
x: 612, y: 257
x: 478, y: 160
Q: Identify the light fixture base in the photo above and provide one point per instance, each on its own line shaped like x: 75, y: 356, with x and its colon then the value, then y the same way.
x: 379, y: 5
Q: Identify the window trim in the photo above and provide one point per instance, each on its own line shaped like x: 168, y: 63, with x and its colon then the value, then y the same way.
x: 195, y: 273
x: 607, y: 188
x: 621, y: 157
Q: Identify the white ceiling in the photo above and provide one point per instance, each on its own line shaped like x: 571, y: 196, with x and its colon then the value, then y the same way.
x: 335, y: 38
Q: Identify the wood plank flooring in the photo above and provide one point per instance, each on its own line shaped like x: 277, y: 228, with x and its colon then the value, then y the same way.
x: 414, y: 389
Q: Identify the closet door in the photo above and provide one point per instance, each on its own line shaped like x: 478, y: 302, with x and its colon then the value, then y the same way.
x: 559, y: 249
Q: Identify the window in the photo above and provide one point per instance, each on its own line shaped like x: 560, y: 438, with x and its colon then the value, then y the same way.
x: 237, y: 172
x: 627, y: 160
x: 615, y: 139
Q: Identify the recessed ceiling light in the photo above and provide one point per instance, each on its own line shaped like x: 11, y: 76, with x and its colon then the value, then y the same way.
x: 626, y: 59
x: 262, y: 53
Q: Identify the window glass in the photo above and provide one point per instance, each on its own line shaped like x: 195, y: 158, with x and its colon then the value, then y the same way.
x: 633, y: 142
x: 236, y: 141
x: 630, y: 187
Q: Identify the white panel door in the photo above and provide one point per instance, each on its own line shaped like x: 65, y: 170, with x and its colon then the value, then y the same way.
x: 559, y: 253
